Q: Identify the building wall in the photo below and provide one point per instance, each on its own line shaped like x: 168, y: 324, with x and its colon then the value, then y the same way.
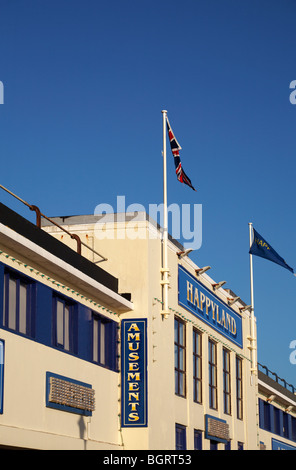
x: 26, y: 421
x: 135, y: 258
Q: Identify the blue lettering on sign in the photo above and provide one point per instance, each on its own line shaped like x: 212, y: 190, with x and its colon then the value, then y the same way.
x: 134, y: 373
x: 200, y: 301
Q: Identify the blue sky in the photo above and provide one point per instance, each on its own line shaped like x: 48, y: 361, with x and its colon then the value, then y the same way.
x: 84, y: 86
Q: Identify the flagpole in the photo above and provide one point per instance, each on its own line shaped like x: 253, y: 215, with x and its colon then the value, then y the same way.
x: 165, y: 270
x: 252, y: 338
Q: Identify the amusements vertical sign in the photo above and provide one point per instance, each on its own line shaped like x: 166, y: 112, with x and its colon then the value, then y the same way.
x: 134, y: 373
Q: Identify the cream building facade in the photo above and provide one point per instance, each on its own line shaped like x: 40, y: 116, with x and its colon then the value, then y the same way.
x: 199, y: 378
x: 88, y: 361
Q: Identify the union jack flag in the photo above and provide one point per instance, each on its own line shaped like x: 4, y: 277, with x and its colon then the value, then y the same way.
x: 175, y: 147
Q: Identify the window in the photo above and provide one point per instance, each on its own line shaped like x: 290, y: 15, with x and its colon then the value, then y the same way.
x: 266, y: 413
x: 18, y: 303
x: 180, y: 371
x: 197, y: 370
x: 180, y: 437
x: 239, y: 388
x: 285, y: 425
x: 65, y: 324
x: 276, y: 420
x: 104, y: 342
x: 226, y: 382
x: 213, y: 375
x: 197, y: 439
x: 213, y: 445
x: 240, y: 446
x: 293, y: 426
x: 227, y: 445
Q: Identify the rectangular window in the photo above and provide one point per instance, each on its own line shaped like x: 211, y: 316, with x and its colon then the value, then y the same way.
x: 213, y: 375
x: 104, y: 341
x: 213, y: 445
x: 197, y: 366
x: 293, y: 426
x: 226, y: 382
x: 18, y: 302
x: 197, y: 439
x: 239, y: 388
x: 180, y: 437
x: 276, y: 420
x: 65, y: 324
x: 267, y: 415
x: 285, y: 425
x: 180, y: 362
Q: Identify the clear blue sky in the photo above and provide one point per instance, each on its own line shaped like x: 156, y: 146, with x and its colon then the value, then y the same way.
x: 84, y: 85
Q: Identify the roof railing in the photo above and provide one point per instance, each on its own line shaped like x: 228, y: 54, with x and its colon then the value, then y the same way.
x: 39, y: 215
x: 277, y: 379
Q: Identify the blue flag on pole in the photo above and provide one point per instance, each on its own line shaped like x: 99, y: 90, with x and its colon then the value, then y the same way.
x: 261, y: 248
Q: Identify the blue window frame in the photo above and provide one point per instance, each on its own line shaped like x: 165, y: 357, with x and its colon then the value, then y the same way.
x: 180, y: 357
x: 180, y: 437
x: 197, y: 439
x: 285, y: 425
x: 35, y: 310
x: 293, y: 429
x: 1, y: 374
x: 226, y: 382
x: 277, y: 421
x: 213, y: 400
x: 227, y: 446
x: 65, y: 324
x: 197, y: 366
x: 104, y: 342
x: 239, y: 388
x: 18, y: 303
x: 213, y: 445
x: 267, y: 415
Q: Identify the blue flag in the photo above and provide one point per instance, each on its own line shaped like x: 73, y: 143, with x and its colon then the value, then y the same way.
x: 260, y: 247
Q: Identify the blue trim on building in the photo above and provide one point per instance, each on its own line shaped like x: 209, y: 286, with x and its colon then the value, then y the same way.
x: 276, y: 421
x: 61, y: 407
x: 134, y: 363
x: 213, y: 311
x: 209, y: 436
x: 43, y: 323
x: 278, y: 445
x: 2, y: 359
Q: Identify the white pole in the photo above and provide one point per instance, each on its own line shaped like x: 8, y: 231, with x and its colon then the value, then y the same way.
x: 253, y: 333
x: 165, y: 270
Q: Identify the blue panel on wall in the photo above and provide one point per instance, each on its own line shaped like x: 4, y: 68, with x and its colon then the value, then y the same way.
x: 278, y: 445
x: 65, y: 394
x: 216, y: 429
x: 205, y: 305
x: 42, y: 322
x: 134, y: 373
